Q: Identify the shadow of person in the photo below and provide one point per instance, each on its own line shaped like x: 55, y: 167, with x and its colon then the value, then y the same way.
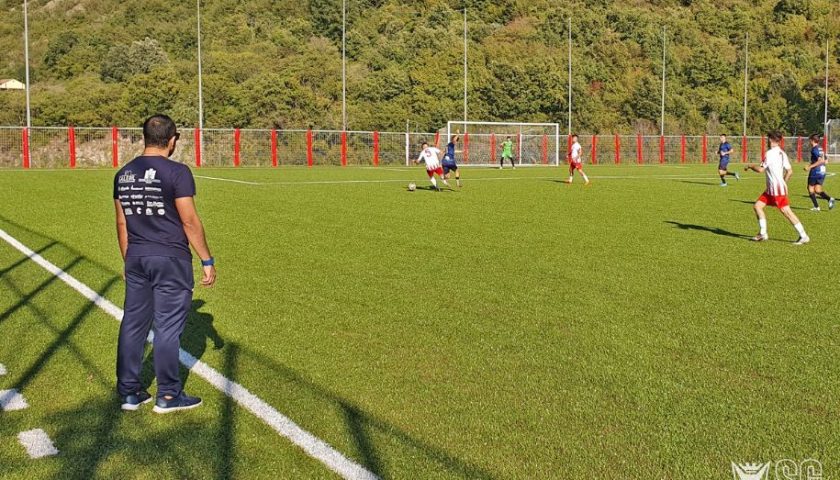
x: 703, y: 228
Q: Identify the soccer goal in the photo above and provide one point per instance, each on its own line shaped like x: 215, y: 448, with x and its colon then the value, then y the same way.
x: 832, y: 141
x: 481, y: 143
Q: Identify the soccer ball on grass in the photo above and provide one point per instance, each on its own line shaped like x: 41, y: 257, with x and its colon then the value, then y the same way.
x: 412, y: 187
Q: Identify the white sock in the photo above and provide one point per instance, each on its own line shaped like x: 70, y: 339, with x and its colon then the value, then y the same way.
x: 762, y: 226
x: 801, y: 229
x: 585, y: 178
x: 570, y: 179
x: 434, y: 182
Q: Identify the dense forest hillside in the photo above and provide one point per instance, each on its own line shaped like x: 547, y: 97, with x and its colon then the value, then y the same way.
x: 277, y: 63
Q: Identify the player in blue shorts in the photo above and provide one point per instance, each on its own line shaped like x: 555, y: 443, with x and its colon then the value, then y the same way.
x: 449, y: 164
x: 816, y: 175
x: 725, y: 153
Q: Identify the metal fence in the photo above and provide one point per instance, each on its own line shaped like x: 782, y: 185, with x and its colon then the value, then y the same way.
x: 78, y: 147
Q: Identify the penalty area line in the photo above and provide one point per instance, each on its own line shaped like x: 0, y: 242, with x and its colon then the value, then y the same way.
x: 228, y: 180
x: 283, y: 425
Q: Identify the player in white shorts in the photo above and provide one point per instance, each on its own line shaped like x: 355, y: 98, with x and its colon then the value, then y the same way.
x: 431, y: 157
x: 576, y: 161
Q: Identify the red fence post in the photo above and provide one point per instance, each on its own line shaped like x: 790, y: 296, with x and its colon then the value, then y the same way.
x: 492, y: 148
x: 545, y: 150
x: 437, y: 139
x: 798, y: 149
x: 115, y: 149
x: 343, y: 149
x: 682, y: 149
x: 661, y: 149
x: 569, y: 148
x: 273, y: 147
x: 71, y: 140
x: 617, y: 150
x: 763, y: 148
x: 197, y: 134
x: 466, y: 148
x: 236, y: 146
x: 376, y: 149
x: 309, y: 159
x: 25, y: 147
x: 782, y: 143
x: 704, y: 151
x: 744, y: 153
x: 825, y: 145
x: 640, y: 158
x: 594, y: 160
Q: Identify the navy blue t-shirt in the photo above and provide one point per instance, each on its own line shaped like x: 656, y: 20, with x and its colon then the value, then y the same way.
x: 725, y: 147
x: 147, y: 188
x: 450, y: 151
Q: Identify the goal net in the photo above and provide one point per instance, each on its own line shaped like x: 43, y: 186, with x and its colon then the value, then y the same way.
x: 832, y: 140
x: 481, y: 143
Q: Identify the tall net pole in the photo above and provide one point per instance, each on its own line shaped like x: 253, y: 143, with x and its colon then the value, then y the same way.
x: 570, y: 78
x: 26, y: 60
x: 344, y: 65
x: 746, y: 78
x: 200, y: 89
x: 465, y: 67
x: 826, y: 86
x: 662, y: 117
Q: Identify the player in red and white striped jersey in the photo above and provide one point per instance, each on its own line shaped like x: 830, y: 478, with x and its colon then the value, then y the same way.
x: 776, y: 167
x: 431, y: 157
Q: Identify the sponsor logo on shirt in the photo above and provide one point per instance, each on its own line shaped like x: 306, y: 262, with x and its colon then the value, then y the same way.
x: 123, y: 189
x: 161, y: 211
x: 138, y: 197
x: 123, y: 197
x: 149, y: 177
x: 153, y: 189
x: 136, y: 189
x: 154, y: 197
x: 125, y: 204
x: 154, y: 204
x: 136, y: 204
x: 128, y: 212
x: 149, y: 211
x: 126, y: 177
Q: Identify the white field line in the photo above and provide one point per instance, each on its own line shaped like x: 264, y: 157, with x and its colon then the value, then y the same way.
x: 37, y: 443
x: 480, y: 179
x: 12, y: 400
x: 283, y: 425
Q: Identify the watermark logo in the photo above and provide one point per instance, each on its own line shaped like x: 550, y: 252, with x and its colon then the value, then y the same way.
x: 809, y: 469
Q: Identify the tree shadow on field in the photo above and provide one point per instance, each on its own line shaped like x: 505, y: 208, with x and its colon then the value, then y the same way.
x: 702, y: 228
x: 363, y: 426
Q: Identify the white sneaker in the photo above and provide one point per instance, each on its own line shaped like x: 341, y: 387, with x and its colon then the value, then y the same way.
x: 802, y: 240
x: 500, y: 168
x: 815, y: 209
x: 761, y: 238
x: 831, y: 204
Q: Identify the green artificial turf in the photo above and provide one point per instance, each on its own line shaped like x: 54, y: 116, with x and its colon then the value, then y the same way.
x: 516, y: 328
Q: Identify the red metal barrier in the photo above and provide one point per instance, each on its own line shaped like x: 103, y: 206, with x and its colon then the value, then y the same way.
x: 343, y: 149
x: 825, y: 145
x: 71, y: 140
x: 115, y: 146
x: 492, y: 148
x: 617, y: 150
x: 25, y: 147
x: 705, y: 150
x: 437, y: 139
x: 236, y: 147
x: 545, y: 150
x: 375, y: 149
x: 197, y: 135
x: 466, y: 148
x: 744, y: 152
x: 640, y: 157
x: 594, y: 157
x: 798, y: 149
x: 782, y: 143
x: 309, y: 159
x: 661, y: 149
x: 569, y: 148
x: 274, y: 147
x: 682, y: 149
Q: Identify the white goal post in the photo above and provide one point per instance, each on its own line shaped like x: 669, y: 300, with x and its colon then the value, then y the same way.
x: 481, y: 142
x: 832, y: 140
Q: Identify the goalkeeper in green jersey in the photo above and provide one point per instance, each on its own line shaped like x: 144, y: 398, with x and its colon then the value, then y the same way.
x: 507, y: 153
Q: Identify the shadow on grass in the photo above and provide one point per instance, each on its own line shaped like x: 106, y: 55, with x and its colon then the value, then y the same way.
x: 362, y: 425
x: 752, y: 202
x: 702, y: 228
x: 705, y: 184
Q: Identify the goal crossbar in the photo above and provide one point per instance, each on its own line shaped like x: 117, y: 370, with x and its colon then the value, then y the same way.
x: 533, y: 142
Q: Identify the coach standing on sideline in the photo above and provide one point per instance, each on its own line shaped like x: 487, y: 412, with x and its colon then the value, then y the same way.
x: 156, y: 224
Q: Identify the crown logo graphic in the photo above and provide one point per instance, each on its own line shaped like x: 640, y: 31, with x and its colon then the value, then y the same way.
x: 750, y: 471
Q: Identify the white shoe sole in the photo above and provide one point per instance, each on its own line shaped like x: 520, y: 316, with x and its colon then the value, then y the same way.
x: 130, y: 407
x: 802, y: 242
x: 175, y: 409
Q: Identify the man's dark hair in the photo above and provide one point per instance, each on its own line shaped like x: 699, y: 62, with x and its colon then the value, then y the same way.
x: 815, y: 138
x: 157, y: 130
x: 775, y: 136
x: 574, y: 135
x: 424, y: 144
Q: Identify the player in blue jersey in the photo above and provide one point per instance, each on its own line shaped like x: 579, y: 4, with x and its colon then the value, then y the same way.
x: 816, y: 175
x: 725, y: 153
x: 449, y: 164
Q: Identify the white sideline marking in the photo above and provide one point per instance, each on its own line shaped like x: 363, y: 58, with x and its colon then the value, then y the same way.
x: 228, y: 180
x: 37, y: 443
x: 555, y: 177
x: 12, y: 400
x: 3, y: 370
x: 283, y: 425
